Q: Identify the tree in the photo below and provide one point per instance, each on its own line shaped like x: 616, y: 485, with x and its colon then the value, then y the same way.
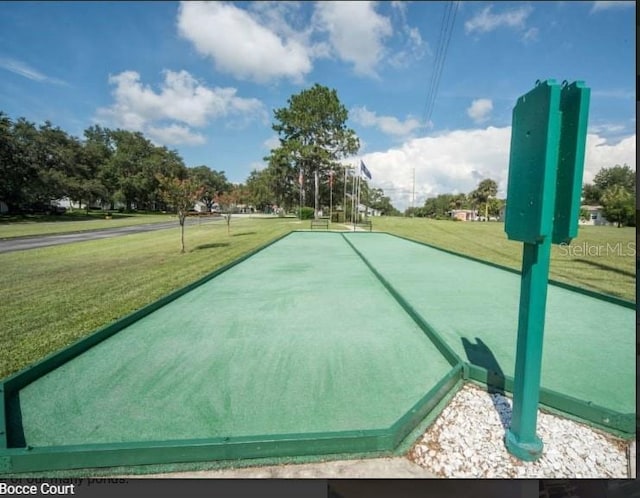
x: 382, y: 202
x: 617, y: 175
x: 260, y: 192
x: 213, y: 183
x: 605, y: 178
x: 180, y: 194
x: 618, y: 204
x: 17, y: 170
x: 484, y: 191
x: 313, y: 133
x: 228, y: 202
x: 591, y: 194
x: 127, y: 167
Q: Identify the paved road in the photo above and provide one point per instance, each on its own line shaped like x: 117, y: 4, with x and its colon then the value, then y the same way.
x: 23, y: 243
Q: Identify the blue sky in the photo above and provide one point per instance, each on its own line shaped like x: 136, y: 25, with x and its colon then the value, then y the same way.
x: 204, y: 78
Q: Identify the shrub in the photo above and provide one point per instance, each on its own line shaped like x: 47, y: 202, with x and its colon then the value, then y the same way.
x: 305, y: 213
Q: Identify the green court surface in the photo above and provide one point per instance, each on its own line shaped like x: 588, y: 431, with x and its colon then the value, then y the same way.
x: 320, y: 343
x: 589, y: 343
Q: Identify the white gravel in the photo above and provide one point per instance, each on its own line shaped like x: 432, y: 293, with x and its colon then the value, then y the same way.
x: 466, y: 440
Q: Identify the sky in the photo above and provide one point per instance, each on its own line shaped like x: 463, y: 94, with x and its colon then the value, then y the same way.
x: 429, y: 86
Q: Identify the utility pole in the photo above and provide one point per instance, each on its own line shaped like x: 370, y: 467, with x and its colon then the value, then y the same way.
x: 413, y: 193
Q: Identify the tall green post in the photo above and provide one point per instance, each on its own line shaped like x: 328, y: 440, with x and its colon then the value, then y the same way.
x: 543, y: 205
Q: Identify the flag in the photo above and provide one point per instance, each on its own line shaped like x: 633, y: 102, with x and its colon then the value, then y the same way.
x: 300, y: 178
x: 331, y: 178
x: 363, y: 169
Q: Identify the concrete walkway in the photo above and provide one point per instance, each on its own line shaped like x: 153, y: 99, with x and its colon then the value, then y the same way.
x: 373, y: 468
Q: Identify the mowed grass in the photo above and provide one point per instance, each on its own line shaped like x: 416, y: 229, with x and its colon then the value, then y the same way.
x: 79, y: 222
x: 53, y: 296
x: 601, y: 258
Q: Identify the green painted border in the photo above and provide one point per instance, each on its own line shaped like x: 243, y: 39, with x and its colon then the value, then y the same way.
x: 27, y: 375
x: 21, y: 460
x: 379, y: 441
x: 597, y: 295
x: 620, y: 424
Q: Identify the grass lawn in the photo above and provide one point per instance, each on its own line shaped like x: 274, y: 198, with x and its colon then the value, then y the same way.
x: 600, y: 258
x: 78, y: 221
x: 53, y: 296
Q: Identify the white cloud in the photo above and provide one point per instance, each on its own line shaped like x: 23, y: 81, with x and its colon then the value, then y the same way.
x: 356, y: 32
x: 174, y: 134
x: 272, y: 142
x: 241, y: 45
x: 607, y: 5
x: 530, y: 35
x: 486, y: 21
x: 600, y: 154
x: 456, y: 161
x: 181, y: 98
x: 23, y: 69
x: 614, y: 93
x: 480, y: 109
x: 389, y: 125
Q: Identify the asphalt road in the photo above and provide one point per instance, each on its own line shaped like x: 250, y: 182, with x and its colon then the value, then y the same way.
x: 24, y: 243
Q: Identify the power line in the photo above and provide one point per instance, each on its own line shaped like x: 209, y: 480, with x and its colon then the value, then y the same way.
x: 444, y: 38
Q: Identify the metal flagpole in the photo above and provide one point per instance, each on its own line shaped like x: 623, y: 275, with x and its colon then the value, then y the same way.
x: 344, y: 199
x: 300, y: 179
x: 330, y: 196
x: 353, y: 197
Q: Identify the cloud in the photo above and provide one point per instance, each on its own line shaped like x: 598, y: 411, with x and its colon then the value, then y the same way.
x: 272, y: 142
x: 27, y: 71
x: 530, y: 35
x: 480, y: 109
x: 181, y: 99
x: 356, y: 32
x: 389, y: 125
x: 616, y: 93
x: 456, y: 161
x: 486, y: 21
x: 607, y: 5
x: 174, y: 134
x: 601, y: 154
x: 240, y: 45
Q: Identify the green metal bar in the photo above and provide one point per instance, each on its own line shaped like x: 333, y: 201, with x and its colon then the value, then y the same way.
x: 521, y: 438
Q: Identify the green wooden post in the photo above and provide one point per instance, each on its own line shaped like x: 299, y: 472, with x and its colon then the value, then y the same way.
x: 547, y: 155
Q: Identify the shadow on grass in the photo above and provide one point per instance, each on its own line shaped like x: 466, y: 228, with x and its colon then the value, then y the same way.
x: 242, y: 233
x: 481, y: 356
x: 215, y: 245
x: 607, y: 268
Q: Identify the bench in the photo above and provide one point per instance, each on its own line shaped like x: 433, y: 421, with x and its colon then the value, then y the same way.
x: 365, y: 224
x: 320, y: 223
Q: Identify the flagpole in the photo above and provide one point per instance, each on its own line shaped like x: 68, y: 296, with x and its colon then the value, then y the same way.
x: 353, y: 198
x: 300, y: 198
x: 344, y: 198
x: 358, y: 198
x: 330, y: 196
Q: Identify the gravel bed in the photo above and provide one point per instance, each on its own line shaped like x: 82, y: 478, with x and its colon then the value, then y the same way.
x: 466, y: 440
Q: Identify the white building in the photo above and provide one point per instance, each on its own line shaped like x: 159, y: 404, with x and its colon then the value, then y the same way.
x: 595, y: 216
